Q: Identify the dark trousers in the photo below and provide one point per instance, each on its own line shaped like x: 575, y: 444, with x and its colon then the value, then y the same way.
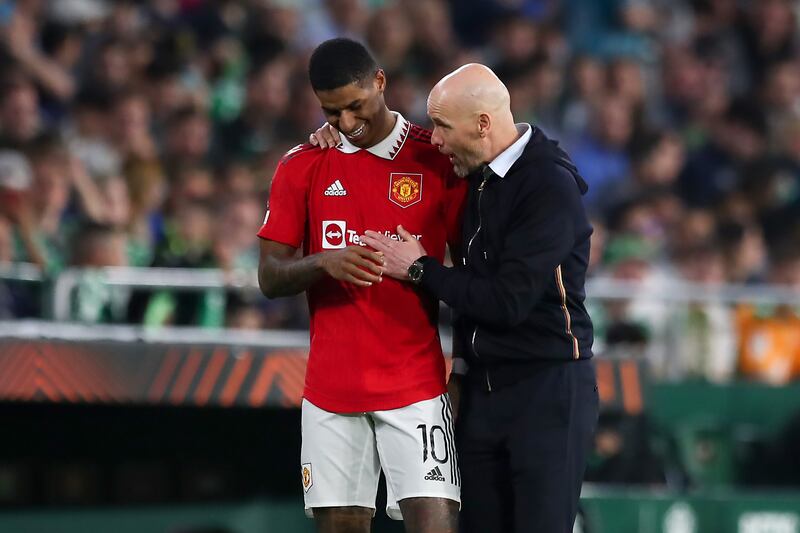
x: 522, y: 449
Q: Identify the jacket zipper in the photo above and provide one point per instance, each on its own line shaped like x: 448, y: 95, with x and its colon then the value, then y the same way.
x: 469, y: 247
x: 480, y: 220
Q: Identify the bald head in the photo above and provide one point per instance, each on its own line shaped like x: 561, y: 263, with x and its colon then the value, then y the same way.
x: 471, y: 112
x: 473, y: 88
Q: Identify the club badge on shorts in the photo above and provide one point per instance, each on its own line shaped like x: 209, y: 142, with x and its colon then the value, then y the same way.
x: 308, y: 481
x: 405, y: 189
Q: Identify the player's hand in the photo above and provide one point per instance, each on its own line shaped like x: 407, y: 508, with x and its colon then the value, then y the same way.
x: 325, y: 137
x: 454, y: 391
x: 398, y: 255
x: 354, y: 264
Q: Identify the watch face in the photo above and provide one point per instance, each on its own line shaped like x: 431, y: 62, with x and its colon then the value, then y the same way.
x: 415, y: 271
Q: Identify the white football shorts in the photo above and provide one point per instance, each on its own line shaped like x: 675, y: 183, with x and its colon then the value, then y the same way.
x: 342, y: 455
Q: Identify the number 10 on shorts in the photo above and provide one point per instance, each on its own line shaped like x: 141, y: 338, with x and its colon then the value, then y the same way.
x: 443, y: 454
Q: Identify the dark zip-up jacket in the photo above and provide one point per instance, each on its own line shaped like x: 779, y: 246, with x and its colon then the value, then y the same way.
x: 518, y: 291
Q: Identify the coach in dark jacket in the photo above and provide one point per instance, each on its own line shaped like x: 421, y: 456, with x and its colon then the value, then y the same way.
x: 523, y: 339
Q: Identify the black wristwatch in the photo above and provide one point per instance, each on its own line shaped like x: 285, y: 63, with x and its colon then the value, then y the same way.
x: 416, y: 270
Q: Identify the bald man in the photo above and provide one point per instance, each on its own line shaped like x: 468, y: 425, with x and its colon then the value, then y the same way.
x: 522, y: 364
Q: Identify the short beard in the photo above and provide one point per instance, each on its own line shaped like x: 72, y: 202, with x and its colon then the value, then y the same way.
x: 461, y: 172
x: 465, y: 166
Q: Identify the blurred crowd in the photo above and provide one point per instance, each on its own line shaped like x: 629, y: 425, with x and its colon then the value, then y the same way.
x: 144, y: 133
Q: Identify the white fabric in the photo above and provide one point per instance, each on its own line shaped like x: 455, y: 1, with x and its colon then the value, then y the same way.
x: 389, y: 147
x: 344, y: 454
x: 509, y: 156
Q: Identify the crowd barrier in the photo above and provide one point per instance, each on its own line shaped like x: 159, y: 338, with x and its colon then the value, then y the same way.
x: 59, y: 289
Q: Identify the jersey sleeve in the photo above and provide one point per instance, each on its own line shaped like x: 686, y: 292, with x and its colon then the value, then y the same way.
x: 455, y: 200
x: 287, y: 209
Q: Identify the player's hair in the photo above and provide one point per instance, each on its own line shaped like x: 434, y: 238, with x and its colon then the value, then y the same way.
x: 340, y: 62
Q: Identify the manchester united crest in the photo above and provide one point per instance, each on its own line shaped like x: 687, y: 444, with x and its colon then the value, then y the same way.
x: 307, y: 479
x: 405, y: 189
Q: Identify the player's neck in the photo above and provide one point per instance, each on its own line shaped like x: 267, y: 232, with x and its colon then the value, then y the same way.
x: 387, y: 121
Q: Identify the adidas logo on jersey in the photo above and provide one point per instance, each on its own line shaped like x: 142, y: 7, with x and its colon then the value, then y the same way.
x: 434, y: 475
x: 335, y: 189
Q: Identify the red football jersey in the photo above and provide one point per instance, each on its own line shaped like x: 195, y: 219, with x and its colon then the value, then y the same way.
x: 372, y: 348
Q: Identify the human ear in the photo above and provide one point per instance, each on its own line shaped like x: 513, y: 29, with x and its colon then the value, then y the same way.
x: 380, y: 80
x: 484, y: 124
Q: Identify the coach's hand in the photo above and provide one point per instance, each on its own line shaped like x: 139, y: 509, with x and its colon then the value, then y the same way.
x: 354, y: 264
x: 397, y: 255
x: 325, y: 137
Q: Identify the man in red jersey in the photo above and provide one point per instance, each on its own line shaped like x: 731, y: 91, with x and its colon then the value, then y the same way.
x: 375, y: 394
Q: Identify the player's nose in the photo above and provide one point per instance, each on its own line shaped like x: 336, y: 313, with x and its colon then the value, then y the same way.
x: 347, y: 122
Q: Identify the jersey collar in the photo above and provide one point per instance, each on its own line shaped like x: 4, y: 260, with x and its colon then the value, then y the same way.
x: 389, y: 147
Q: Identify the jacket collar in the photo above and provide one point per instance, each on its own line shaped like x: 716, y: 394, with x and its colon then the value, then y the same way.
x: 389, y: 147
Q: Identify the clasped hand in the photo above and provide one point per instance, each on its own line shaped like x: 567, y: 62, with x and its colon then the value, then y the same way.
x: 363, y: 267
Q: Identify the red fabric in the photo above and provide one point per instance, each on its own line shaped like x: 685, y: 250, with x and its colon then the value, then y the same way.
x: 372, y: 348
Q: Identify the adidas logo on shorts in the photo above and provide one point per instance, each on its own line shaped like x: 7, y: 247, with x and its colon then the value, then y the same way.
x: 434, y: 475
x: 335, y: 189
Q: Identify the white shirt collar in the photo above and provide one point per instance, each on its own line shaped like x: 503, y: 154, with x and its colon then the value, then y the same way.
x: 509, y: 156
x: 389, y: 147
